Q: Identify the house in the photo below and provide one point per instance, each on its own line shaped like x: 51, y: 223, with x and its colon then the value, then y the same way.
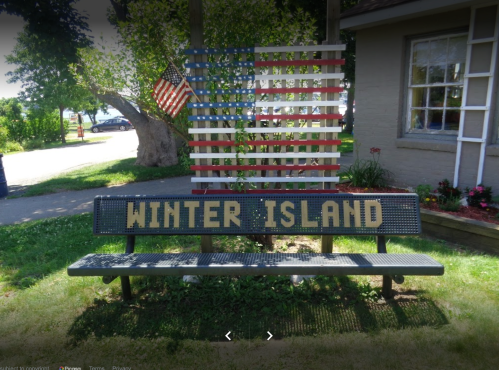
x: 426, y: 88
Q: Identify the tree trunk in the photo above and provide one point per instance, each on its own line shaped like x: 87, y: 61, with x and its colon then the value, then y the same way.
x: 349, y: 113
x: 92, y: 118
x: 157, y: 147
x: 61, y: 119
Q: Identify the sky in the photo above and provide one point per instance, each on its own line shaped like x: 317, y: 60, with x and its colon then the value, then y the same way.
x: 10, y: 26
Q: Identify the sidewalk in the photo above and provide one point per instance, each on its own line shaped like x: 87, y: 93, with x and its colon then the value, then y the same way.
x: 18, y: 210
x: 15, y: 211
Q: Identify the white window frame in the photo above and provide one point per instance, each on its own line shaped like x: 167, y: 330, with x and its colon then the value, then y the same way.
x: 408, y: 124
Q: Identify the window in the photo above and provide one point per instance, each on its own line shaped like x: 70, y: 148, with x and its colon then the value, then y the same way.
x: 436, y: 74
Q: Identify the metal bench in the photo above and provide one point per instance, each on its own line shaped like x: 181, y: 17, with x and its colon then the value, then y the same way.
x: 246, y: 214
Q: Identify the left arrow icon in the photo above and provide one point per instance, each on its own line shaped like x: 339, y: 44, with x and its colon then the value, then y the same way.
x: 227, y: 336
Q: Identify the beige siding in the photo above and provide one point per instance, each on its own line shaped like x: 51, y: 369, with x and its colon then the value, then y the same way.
x: 380, y: 93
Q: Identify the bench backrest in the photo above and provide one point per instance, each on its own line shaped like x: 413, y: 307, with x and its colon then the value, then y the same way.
x: 244, y: 214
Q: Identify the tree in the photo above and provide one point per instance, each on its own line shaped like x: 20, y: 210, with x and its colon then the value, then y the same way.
x: 124, y: 77
x: 45, y: 48
x: 156, y: 32
x: 318, y: 10
x: 47, y: 81
x: 55, y: 23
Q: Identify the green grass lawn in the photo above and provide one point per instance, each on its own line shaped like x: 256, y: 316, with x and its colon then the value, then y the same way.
x: 117, y: 172
x: 71, y: 139
x: 50, y: 319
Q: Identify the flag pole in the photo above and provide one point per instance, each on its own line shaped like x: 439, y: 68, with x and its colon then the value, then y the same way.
x: 180, y: 73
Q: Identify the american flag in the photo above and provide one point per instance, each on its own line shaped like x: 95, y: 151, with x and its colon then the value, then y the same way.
x: 279, y: 95
x: 170, y: 91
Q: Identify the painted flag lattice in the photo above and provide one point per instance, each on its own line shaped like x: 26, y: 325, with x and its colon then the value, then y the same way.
x: 170, y: 91
x: 276, y: 98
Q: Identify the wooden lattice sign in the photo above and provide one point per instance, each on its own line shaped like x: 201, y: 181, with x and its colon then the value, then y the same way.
x: 262, y: 121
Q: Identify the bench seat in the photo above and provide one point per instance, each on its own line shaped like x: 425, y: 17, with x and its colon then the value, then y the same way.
x: 179, y: 264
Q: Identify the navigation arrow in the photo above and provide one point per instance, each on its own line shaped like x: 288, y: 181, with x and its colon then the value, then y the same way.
x: 227, y: 336
x: 269, y: 333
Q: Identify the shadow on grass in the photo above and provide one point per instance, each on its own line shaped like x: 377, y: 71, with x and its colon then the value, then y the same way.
x: 33, y: 250
x: 249, y: 307
x: 121, y: 171
x: 416, y: 244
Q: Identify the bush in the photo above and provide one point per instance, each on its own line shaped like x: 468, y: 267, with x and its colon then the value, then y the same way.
x: 368, y: 173
x: 33, y: 144
x: 3, y: 136
x: 424, y: 193
x: 452, y: 205
x: 13, y: 146
x: 447, y: 192
x: 45, y: 125
x: 480, y: 196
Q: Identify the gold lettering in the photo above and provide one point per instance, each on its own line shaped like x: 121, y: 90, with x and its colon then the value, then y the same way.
x: 232, y: 209
x: 192, y: 205
x: 154, y: 215
x: 368, y: 205
x: 291, y: 217
x: 327, y: 214
x: 136, y: 216
x: 175, y: 212
x: 348, y: 211
x: 305, y: 222
x: 208, y: 214
x: 270, y: 204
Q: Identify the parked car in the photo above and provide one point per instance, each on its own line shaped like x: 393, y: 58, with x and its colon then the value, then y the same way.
x: 112, y: 124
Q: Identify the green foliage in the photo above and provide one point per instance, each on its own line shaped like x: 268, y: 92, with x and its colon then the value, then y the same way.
x: 367, y: 173
x: 105, y: 174
x: 155, y: 32
x: 32, y: 144
x: 3, y: 135
x: 43, y: 64
x: 424, y: 192
x: 451, y: 204
x: 250, y: 22
x: 447, y: 192
x: 44, y: 125
x: 12, y: 119
x: 12, y: 146
x: 480, y: 196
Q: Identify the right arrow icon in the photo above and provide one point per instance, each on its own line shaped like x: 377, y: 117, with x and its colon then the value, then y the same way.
x: 269, y: 333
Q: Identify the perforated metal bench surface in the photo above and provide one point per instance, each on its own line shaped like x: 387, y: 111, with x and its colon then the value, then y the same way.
x: 257, y: 214
x: 255, y: 264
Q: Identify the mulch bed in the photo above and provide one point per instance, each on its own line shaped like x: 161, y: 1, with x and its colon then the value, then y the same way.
x: 473, y: 213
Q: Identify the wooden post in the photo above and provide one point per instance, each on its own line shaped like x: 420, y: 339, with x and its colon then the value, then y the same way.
x: 333, y: 37
x: 196, y: 27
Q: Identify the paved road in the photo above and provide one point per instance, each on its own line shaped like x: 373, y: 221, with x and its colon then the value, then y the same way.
x: 32, y: 167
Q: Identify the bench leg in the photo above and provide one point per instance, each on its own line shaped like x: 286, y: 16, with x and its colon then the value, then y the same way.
x: 125, y: 288
x: 125, y: 280
x: 386, y: 291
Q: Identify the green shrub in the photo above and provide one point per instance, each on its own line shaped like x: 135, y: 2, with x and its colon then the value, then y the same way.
x: 424, y: 193
x: 480, y: 196
x: 12, y: 146
x: 452, y: 205
x: 45, y: 125
x: 3, y: 136
x: 447, y: 192
x: 33, y: 144
x: 368, y: 173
